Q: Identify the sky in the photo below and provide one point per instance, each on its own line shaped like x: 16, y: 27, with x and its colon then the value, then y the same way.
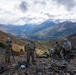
x: 20, y: 12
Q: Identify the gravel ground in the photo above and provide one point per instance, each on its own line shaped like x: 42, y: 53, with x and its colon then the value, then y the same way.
x: 42, y: 66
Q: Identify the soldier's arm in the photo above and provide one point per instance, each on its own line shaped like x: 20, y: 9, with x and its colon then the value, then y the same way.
x: 61, y: 52
x: 10, y: 46
x: 62, y: 55
x: 54, y: 49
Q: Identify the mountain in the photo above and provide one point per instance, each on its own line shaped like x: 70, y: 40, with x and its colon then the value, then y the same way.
x: 46, y: 24
x: 17, y: 44
x: 25, y: 30
x: 18, y: 31
x: 57, y: 31
x: 72, y: 38
x: 47, y: 30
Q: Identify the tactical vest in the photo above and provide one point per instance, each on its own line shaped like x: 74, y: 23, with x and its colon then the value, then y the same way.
x: 8, y: 47
x: 30, y: 46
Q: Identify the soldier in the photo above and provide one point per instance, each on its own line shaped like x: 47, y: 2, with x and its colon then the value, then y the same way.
x: 30, y: 49
x: 66, y: 48
x: 57, y: 50
x: 8, y: 48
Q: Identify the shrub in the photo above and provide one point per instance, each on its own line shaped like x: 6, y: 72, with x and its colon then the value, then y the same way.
x: 21, y: 50
x: 2, y: 45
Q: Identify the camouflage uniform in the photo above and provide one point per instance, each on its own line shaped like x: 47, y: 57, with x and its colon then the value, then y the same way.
x: 8, y: 48
x: 57, y: 50
x: 66, y: 49
x: 30, y: 52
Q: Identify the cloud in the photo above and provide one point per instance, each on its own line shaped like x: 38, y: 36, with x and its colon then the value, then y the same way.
x: 27, y: 19
x: 23, y: 6
x: 68, y: 4
x: 9, y: 12
x: 36, y: 11
x: 40, y: 2
x: 49, y: 15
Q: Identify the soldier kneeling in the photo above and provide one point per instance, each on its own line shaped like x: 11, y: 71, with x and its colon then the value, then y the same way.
x: 57, y: 51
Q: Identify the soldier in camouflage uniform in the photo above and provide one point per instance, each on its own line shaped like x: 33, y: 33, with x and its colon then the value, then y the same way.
x: 66, y: 49
x: 30, y: 49
x: 57, y: 50
x: 8, y: 48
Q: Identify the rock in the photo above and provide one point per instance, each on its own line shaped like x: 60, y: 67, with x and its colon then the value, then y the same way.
x: 42, y: 56
x: 43, y: 66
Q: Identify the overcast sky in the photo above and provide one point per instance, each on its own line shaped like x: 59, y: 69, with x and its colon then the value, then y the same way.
x: 21, y: 12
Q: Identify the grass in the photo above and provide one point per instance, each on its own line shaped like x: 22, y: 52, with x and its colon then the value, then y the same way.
x: 42, y: 46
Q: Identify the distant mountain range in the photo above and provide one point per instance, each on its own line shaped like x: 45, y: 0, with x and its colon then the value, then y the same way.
x: 47, y: 30
x: 56, y: 31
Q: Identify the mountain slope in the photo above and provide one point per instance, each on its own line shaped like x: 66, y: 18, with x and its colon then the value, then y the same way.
x: 56, y: 32
x: 18, y: 31
x: 46, y: 24
x: 72, y: 38
x: 16, y: 43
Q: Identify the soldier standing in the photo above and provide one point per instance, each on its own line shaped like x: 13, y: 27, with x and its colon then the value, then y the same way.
x: 30, y: 49
x: 8, y: 48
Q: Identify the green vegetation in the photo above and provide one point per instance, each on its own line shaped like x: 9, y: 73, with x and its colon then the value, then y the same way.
x: 2, y: 45
x: 43, y: 46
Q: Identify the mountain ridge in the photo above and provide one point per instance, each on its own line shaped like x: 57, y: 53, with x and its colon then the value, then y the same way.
x: 47, y: 30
